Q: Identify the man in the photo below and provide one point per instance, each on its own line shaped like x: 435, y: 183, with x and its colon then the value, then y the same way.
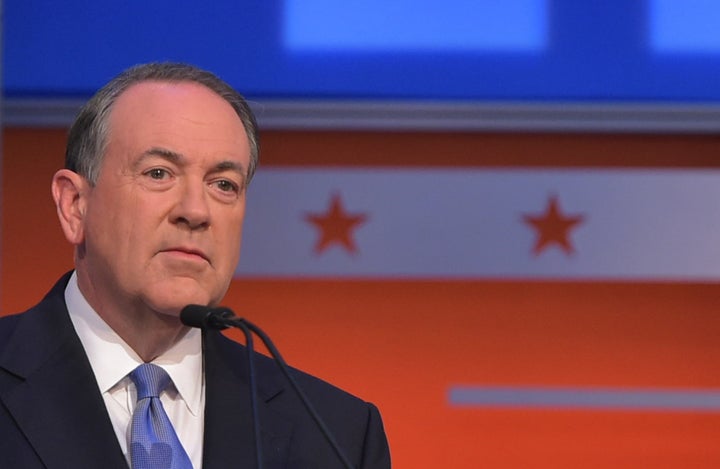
x: 153, y: 198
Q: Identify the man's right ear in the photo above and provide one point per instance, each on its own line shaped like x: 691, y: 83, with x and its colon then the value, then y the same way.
x: 70, y: 192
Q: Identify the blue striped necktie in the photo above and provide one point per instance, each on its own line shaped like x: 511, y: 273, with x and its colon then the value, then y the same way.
x: 153, y: 441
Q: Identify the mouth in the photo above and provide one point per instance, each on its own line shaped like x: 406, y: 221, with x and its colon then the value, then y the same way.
x: 187, y: 253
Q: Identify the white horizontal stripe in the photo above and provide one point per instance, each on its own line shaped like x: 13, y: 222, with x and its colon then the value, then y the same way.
x: 468, y: 223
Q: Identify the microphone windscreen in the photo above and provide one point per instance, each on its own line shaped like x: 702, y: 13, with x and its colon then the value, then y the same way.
x: 196, y: 316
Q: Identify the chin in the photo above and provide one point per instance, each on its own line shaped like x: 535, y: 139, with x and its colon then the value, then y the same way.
x: 172, y: 301
x: 172, y: 296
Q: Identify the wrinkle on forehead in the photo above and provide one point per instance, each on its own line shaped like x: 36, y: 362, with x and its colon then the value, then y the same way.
x: 159, y: 114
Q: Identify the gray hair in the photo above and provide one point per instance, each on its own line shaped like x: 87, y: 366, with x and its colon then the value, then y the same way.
x: 88, y: 136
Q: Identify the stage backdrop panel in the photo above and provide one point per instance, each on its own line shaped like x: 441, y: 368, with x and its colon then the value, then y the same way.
x: 584, y: 333
x: 513, y: 51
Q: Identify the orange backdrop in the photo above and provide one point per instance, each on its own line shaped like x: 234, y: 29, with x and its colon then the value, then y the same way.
x: 402, y: 344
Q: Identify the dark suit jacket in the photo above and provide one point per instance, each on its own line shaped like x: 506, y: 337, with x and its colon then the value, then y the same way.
x: 52, y: 414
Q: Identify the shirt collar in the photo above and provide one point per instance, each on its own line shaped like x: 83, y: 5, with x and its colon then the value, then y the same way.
x: 112, y: 359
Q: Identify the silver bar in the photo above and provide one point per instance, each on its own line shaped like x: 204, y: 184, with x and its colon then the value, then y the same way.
x: 427, y: 116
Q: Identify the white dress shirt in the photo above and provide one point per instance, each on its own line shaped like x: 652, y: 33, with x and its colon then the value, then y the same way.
x: 112, y: 360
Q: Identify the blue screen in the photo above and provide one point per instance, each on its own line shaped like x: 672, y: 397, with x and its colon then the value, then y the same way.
x: 689, y: 26
x: 482, y: 50
x: 415, y: 25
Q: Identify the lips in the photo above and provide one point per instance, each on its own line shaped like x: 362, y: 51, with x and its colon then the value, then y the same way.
x: 187, y: 251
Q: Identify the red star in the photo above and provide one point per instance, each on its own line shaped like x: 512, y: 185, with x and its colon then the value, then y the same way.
x: 553, y: 227
x: 336, y: 226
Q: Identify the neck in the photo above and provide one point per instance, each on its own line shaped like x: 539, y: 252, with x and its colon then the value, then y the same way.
x: 148, y: 332
x: 151, y: 338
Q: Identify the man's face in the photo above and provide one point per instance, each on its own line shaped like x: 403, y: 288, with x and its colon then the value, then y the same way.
x: 163, y: 223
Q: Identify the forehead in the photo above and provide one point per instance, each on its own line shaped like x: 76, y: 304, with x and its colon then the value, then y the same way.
x: 185, y: 117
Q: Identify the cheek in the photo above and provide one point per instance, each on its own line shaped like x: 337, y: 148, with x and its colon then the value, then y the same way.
x: 231, y: 244
x: 120, y: 229
x: 239, y: 228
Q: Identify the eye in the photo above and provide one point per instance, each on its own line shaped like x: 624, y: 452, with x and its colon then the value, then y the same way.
x: 227, y: 186
x: 157, y: 173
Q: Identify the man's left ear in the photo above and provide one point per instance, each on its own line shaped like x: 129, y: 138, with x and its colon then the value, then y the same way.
x: 70, y: 191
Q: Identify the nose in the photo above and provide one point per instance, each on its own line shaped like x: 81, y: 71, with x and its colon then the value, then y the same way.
x: 192, y: 208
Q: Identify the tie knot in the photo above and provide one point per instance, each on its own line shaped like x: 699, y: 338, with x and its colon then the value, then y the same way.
x: 150, y: 380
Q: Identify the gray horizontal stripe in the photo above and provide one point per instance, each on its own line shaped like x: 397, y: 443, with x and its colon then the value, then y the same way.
x: 577, y: 398
x: 427, y: 115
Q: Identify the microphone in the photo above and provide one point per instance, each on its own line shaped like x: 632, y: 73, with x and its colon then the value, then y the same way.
x: 205, y: 317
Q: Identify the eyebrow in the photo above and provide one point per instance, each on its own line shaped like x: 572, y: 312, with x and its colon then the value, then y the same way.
x: 179, y: 159
x: 164, y: 153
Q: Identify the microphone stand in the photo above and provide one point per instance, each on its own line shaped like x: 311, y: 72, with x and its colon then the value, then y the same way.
x: 222, y: 318
x: 253, y: 393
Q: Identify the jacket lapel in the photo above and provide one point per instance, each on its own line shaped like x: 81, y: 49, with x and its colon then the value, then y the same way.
x: 51, y: 391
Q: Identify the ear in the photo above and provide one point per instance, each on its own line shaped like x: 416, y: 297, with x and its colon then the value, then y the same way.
x: 70, y: 192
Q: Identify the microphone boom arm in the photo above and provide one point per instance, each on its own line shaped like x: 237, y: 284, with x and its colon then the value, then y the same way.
x: 222, y: 318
